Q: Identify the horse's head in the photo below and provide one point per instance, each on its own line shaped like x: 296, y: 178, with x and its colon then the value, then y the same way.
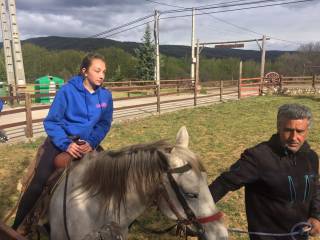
x: 185, y: 196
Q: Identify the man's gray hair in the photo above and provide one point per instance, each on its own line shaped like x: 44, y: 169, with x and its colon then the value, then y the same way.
x: 294, y: 111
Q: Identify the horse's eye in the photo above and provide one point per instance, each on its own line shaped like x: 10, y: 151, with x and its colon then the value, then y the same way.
x: 191, y: 195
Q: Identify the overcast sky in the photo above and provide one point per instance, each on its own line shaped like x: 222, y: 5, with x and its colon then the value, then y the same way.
x: 294, y: 23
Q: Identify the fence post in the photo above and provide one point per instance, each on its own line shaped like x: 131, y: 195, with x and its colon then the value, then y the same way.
x: 129, y: 88
x: 158, y: 96
x: 178, y: 86
x: 10, y: 93
x: 314, y: 81
x: 29, y: 131
x: 221, y: 90
x: 196, y: 82
x: 239, y: 81
x: 280, y: 80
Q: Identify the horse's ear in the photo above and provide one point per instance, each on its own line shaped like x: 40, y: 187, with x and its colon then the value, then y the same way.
x: 182, y: 138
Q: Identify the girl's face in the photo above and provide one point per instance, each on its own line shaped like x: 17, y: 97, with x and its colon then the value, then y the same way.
x: 96, y: 72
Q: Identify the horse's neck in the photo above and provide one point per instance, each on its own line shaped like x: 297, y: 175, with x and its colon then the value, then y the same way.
x: 134, y: 209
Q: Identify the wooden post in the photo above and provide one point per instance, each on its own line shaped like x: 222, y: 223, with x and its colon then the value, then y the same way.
x: 314, y: 81
x: 221, y: 90
x: 158, y: 97
x: 239, y: 81
x: 178, y: 87
x: 129, y: 88
x: 29, y: 131
x: 196, y: 82
x: 11, y: 95
x: 281, y: 83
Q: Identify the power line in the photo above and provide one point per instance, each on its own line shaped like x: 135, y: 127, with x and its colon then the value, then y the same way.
x: 213, y: 4
x: 165, y: 4
x: 128, y: 29
x: 238, y: 9
x: 121, y: 26
x: 202, y: 13
x: 179, y: 16
x: 246, y: 29
x: 105, y: 37
x: 111, y: 30
x: 221, y: 5
x: 234, y: 25
x: 283, y: 40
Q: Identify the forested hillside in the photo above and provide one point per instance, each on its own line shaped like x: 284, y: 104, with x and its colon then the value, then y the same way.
x: 92, y: 44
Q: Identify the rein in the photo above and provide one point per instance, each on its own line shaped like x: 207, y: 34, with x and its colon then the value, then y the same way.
x: 65, y: 202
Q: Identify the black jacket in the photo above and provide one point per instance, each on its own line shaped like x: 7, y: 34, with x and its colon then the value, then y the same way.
x: 281, y: 187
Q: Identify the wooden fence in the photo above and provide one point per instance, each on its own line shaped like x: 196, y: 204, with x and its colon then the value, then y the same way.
x: 25, y: 97
x: 245, y: 87
x: 249, y: 87
x: 300, y: 82
x: 254, y: 86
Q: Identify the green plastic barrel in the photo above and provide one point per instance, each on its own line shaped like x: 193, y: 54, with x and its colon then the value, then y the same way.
x: 3, y: 89
x: 46, y: 85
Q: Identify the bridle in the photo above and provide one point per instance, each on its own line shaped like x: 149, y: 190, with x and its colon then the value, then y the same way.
x: 183, y: 223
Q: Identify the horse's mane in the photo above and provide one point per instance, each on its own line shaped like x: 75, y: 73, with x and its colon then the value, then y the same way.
x: 138, y: 167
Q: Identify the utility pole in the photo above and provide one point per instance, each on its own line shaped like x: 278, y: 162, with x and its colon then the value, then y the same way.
x: 263, y: 60
x: 16, y: 45
x: 157, y: 65
x: 193, y: 45
x: 239, y: 81
x: 7, y: 44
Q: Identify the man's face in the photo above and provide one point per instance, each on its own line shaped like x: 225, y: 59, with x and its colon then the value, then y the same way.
x: 293, y: 133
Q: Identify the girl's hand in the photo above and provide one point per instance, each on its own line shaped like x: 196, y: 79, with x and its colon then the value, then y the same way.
x: 75, y: 150
x: 85, y: 148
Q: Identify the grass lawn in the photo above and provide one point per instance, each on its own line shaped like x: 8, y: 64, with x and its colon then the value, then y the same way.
x: 219, y: 133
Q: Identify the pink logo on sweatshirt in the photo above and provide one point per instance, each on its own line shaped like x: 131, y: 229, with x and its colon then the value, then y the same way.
x: 101, y: 105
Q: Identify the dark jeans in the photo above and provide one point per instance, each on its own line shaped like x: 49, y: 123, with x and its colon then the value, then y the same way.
x: 42, y: 173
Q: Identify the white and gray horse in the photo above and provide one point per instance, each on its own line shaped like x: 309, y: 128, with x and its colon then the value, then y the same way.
x: 117, y: 186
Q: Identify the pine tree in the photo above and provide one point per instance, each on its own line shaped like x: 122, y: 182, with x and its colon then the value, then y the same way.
x: 146, y: 57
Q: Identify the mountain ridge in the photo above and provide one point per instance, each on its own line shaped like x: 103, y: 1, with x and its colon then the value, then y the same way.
x: 178, y: 51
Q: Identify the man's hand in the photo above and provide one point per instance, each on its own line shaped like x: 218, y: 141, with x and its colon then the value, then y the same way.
x: 315, y: 231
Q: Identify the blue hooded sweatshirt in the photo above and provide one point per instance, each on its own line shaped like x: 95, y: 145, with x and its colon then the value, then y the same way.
x: 77, y: 112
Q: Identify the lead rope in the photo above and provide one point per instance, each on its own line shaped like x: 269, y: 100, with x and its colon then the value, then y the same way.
x: 304, y: 227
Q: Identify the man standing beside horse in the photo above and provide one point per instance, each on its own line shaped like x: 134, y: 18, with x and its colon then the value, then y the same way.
x: 280, y: 177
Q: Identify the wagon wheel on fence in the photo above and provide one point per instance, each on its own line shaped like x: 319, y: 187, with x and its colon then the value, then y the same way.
x: 271, y: 81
